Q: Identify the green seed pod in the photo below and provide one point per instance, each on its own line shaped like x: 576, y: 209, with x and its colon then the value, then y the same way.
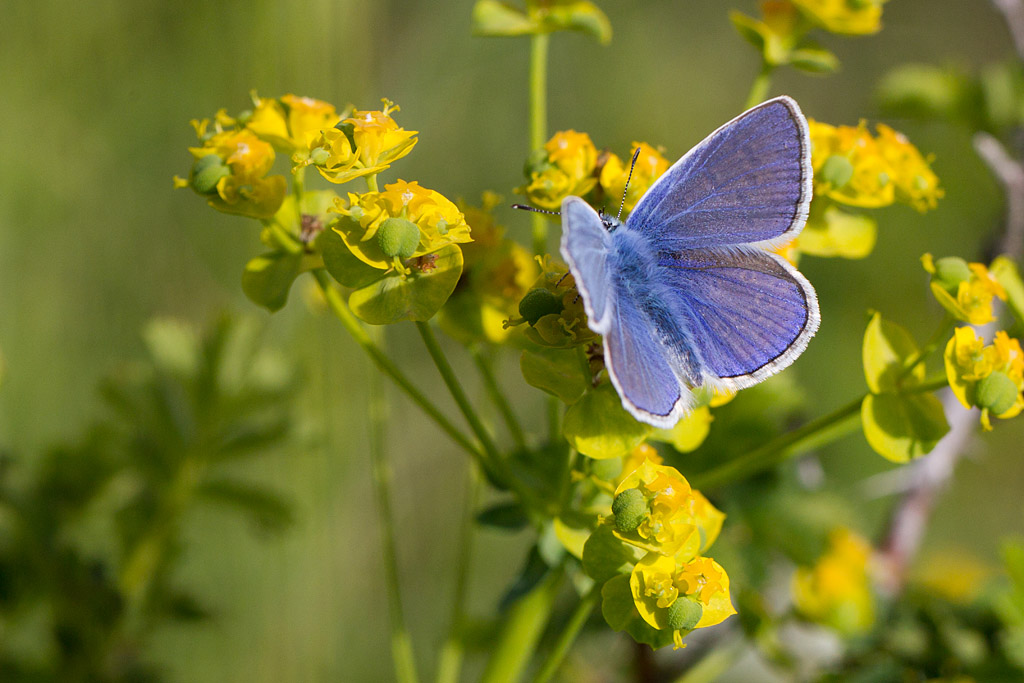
x: 319, y: 156
x: 206, y: 172
x: 537, y: 303
x: 629, y: 508
x: 684, y: 613
x: 836, y: 171
x: 398, y: 237
x: 950, y: 271
x: 997, y: 392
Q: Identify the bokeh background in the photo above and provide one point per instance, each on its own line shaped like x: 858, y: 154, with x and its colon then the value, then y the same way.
x: 94, y: 110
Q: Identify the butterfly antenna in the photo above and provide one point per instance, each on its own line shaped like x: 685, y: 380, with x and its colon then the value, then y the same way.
x: 632, y: 164
x: 526, y: 207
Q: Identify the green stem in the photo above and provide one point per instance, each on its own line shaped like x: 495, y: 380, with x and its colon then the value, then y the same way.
x: 940, y: 334
x: 568, y: 635
x: 539, y: 122
x: 483, y: 364
x: 522, y: 630
x: 817, y: 432
x: 763, y: 82
x: 774, y: 452
x: 342, y: 312
x: 450, y: 663
x: 401, y: 643
x: 371, y: 183
x: 457, y: 392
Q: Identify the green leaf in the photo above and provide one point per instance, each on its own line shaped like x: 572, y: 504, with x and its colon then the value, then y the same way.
x: 582, y: 16
x: 926, y: 91
x: 269, y: 510
x: 416, y: 296
x: 618, y: 610
x: 815, y: 60
x: 901, y: 428
x: 342, y: 264
x: 599, y: 427
x: 605, y: 556
x: 1002, y: 89
x: 837, y: 233
x: 1007, y: 274
x: 887, y: 346
x: 493, y: 18
x: 556, y: 371
x: 750, y: 29
x: 508, y: 515
x: 268, y: 278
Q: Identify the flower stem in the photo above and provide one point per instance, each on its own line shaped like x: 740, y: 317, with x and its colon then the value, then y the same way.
x: 342, y: 312
x: 778, y: 450
x: 763, y: 82
x: 450, y: 663
x: 539, y: 122
x: 401, y: 643
x: 568, y: 635
x: 521, y: 631
x: 456, y: 390
x: 937, y: 338
x: 483, y: 364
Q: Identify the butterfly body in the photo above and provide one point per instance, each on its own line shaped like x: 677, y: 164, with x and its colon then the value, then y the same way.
x: 685, y: 292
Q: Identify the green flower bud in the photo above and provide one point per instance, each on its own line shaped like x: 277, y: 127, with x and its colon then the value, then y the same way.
x: 629, y: 508
x: 538, y: 303
x: 206, y: 172
x: 319, y: 156
x: 836, y: 171
x: 997, y: 392
x: 684, y: 613
x: 950, y: 271
x: 398, y: 237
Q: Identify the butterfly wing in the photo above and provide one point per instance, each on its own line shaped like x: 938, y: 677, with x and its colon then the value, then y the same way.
x: 749, y: 313
x: 748, y: 182
x: 586, y: 247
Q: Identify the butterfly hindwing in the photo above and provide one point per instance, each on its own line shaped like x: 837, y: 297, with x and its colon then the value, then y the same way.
x: 750, y: 313
x: 748, y: 182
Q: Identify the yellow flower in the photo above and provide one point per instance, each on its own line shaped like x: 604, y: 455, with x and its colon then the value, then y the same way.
x: 650, y: 165
x: 497, y: 273
x: 637, y: 457
x: 852, y: 167
x: 678, y: 521
x: 851, y: 17
x: 291, y: 121
x: 659, y: 581
x: 916, y: 183
x: 836, y: 590
x: 364, y: 144
x: 973, y: 284
x: 438, y: 220
x: 242, y: 161
x: 568, y: 327
x: 567, y: 168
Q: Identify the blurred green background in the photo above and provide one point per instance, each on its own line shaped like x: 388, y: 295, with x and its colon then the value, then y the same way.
x: 94, y: 112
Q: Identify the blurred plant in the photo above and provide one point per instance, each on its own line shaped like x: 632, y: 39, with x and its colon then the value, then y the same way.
x: 604, y: 494
x: 75, y: 608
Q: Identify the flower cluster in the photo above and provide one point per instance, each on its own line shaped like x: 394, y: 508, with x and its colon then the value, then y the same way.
x: 836, y: 591
x: 570, y: 165
x: 674, y: 586
x: 965, y: 290
x: 849, y: 17
x: 990, y: 377
x: 397, y: 248
x: 853, y: 167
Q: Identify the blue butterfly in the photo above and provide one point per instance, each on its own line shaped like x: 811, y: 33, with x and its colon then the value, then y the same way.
x: 684, y: 292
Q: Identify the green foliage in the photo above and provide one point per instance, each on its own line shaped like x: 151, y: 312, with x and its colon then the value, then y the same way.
x: 494, y: 18
x: 177, y: 419
x: 416, y: 296
x: 599, y: 427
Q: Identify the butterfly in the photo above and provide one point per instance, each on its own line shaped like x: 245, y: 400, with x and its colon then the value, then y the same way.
x: 685, y: 292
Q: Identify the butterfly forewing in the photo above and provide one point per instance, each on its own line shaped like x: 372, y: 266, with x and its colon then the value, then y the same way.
x: 749, y: 181
x: 586, y: 246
